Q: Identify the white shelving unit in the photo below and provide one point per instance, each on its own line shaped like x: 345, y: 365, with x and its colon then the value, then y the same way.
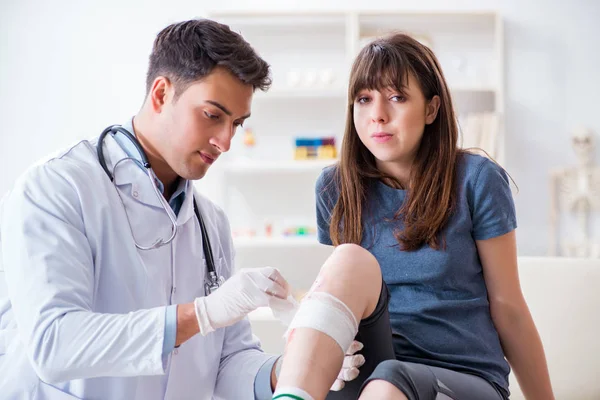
x: 255, y: 166
x: 310, y: 54
x: 289, y: 93
x: 275, y: 242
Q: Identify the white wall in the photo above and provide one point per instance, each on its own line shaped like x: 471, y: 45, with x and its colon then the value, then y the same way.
x: 69, y: 68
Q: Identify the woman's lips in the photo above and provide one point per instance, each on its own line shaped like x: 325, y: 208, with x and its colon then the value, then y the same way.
x: 381, y: 137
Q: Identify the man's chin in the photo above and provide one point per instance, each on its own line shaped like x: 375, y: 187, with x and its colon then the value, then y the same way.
x: 195, y: 175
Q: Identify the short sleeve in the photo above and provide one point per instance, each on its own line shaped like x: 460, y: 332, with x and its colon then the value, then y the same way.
x: 493, y: 210
x: 326, y: 196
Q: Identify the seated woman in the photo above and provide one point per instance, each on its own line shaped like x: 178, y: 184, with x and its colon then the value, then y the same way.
x: 437, y: 225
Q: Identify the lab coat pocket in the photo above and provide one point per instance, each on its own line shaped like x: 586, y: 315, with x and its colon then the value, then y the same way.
x: 46, y: 391
x: 222, y: 267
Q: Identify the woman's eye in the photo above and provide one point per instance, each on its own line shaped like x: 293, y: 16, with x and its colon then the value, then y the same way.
x: 398, y: 99
x: 211, y: 116
x: 362, y: 100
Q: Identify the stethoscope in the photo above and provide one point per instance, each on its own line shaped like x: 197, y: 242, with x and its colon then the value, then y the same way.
x: 213, y: 281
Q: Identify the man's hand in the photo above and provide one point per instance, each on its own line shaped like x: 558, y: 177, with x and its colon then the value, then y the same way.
x: 242, y: 293
x: 350, y: 366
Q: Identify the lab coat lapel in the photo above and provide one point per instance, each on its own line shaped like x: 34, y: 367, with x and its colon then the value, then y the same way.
x: 187, y: 208
x: 128, y: 176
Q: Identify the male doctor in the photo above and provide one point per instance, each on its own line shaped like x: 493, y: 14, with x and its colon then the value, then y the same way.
x: 92, y: 315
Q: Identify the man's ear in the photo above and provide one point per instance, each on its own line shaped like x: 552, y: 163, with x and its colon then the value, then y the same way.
x: 431, y: 110
x: 161, y: 93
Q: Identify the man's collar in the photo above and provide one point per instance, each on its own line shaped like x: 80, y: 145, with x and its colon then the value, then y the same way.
x: 120, y: 147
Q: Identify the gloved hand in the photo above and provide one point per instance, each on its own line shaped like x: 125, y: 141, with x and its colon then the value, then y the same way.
x: 242, y: 293
x: 350, y: 366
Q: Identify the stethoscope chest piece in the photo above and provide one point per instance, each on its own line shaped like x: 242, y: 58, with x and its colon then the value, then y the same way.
x: 212, y: 283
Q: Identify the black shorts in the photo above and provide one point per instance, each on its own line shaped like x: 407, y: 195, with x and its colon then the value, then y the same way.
x: 424, y: 382
x: 416, y: 381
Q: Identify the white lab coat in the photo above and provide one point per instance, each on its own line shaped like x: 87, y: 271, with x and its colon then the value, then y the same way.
x: 86, y: 313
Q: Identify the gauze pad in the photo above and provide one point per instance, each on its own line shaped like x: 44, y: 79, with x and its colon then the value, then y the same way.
x: 284, y: 310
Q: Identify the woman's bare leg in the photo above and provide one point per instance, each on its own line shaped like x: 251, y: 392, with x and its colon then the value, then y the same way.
x: 312, y: 359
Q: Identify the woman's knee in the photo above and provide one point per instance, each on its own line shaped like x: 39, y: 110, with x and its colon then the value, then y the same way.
x: 350, y: 262
x: 352, y: 274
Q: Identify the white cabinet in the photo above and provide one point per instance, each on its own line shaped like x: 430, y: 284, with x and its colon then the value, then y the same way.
x: 311, y: 55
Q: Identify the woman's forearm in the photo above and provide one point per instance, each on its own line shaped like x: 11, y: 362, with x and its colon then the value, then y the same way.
x: 523, y: 349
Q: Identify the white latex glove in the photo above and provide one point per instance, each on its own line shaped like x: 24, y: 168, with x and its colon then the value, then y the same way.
x: 350, y: 366
x: 242, y: 293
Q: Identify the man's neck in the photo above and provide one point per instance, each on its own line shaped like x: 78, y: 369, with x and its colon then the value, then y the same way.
x: 169, y: 190
x: 144, y: 134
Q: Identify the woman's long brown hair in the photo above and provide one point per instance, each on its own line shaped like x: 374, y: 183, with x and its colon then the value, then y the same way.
x: 387, y: 62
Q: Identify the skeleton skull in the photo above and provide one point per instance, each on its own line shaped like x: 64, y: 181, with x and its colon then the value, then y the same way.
x: 583, y: 144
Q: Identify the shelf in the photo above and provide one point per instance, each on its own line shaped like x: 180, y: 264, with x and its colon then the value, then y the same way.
x: 253, y: 167
x: 266, y: 20
x: 340, y: 93
x: 278, y: 241
x: 472, y: 89
x: 302, y: 93
x: 376, y: 23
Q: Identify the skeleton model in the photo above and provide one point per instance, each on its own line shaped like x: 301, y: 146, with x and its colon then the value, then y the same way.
x: 576, y: 190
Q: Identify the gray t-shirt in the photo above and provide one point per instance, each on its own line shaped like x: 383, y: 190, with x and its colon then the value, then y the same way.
x: 439, y: 309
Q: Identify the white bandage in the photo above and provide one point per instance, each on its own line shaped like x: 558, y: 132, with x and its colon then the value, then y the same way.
x: 328, y: 314
x: 290, y: 392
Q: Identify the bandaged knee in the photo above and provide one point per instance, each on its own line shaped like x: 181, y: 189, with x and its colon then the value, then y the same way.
x: 327, y: 314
